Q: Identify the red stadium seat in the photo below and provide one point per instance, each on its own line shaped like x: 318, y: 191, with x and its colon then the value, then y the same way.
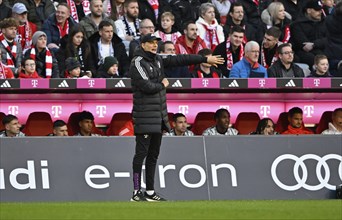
x: 170, y: 115
x: 246, y: 122
x: 73, y: 127
x: 2, y: 115
x: 38, y: 124
x: 324, y: 122
x: 117, y: 122
x: 203, y: 121
x: 282, y: 123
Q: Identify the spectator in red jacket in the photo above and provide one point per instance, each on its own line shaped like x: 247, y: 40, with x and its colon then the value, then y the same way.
x: 296, y: 125
x: 28, y: 68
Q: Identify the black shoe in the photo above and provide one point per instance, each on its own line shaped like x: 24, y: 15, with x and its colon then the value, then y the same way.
x: 154, y: 198
x: 138, y: 197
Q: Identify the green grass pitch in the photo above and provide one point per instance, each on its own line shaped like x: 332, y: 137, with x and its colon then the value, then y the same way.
x: 241, y: 209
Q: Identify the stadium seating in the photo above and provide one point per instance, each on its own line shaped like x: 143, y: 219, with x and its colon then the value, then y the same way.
x: 324, y: 121
x: 2, y: 115
x: 203, y: 120
x: 73, y: 127
x: 282, y: 123
x: 246, y: 122
x: 38, y: 124
x: 117, y: 122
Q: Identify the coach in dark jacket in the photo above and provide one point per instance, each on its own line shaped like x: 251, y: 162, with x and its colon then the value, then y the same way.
x: 149, y: 108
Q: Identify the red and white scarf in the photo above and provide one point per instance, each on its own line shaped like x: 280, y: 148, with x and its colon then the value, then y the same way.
x: 263, y: 58
x: 13, y: 51
x: 211, y: 36
x: 230, y: 61
x: 287, y: 34
x: 48, y: 61
x: 155, y: 6
x: 25, y: 36
x: 73, y: 9
x: 256, y: 2
x: 166, y: 37
x: 2, y: 71
x: 63, y: 30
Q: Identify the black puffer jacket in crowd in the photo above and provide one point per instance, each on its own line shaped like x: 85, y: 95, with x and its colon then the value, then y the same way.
x: 149, y: 94
x: 306, y: 30
x: 334, y: 29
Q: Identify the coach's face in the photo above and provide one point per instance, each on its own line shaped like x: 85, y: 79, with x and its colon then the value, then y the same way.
x: 150, y: 46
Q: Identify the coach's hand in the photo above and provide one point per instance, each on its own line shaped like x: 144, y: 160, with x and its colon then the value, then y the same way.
x: 214, y: 60
x: 165, y: 82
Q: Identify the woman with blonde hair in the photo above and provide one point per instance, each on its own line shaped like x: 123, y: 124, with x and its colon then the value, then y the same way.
x: 275, y: 15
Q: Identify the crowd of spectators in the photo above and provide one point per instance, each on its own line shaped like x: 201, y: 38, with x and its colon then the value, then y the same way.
x: 180, y: 127
x: 257, y: 38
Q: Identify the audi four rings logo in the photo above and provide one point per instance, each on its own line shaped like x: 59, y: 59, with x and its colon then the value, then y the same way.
x: 301, y: 181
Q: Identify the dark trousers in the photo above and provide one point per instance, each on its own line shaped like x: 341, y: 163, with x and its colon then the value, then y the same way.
x: 147, y: 146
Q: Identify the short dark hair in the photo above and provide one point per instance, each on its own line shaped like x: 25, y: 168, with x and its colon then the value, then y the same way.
x: 23, y: 61
x: 59, y: 123
x: 237, y: 28
x: 335, y: 112
x: 127, y: 2
x: 319, y: 57
x: 65, y: 5
x: 280, y: 47
x: 85, y: 115
x: 205, y: 52
x: 338, y: 9
x: 232, y: 6
x: 104, y: 23
x: 220, y: 112
x: 162, y: 46
x: 186, y: 24
x: 177, y: 115
x: 295, y: 110
x: 274, y: 32
x: 8, y: 118
x: 9, y: 22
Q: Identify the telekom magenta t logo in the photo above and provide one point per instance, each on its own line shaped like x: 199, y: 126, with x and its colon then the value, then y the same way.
x: 317, y: 82
x: 56, y: 110
x: 101, y: 110
x: 265, y: 110
x: 309, y: 110
x: 205, y: 82
x: 34, y: 83
x: 262, y: 82
x: 13, y: 109
x: 91, y: 82
x: 184, y: 109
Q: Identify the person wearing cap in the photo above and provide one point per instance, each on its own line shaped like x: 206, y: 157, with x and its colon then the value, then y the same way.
x: 57, y: 25
x: 10, y: 50
x: 46, y: 63
x: 26, y: 29
x: 109, y: 68
x: 149, y: 112
x: 308, y: 33
x: 38, y: 10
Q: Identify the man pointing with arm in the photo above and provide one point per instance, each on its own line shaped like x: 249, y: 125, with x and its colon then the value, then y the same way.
x: 149, y: 112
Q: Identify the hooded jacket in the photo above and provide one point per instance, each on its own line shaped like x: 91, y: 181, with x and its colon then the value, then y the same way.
x: 149, y: 94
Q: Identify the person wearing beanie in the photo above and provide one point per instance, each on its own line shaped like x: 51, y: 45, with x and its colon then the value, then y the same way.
x: 25, y: 29
x: 46, y: 63
x: 73, y: 68
x: 109, y: 68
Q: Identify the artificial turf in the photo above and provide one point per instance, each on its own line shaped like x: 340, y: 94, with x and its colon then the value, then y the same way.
x: 242, y: 209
